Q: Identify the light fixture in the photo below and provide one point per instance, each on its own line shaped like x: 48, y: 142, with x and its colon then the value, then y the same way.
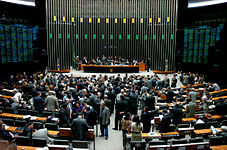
x: 206, y: 3
x: 21, y: 2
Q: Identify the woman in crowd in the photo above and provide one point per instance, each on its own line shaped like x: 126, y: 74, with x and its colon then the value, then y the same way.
x: 136, y: 129
x: 125, y: 122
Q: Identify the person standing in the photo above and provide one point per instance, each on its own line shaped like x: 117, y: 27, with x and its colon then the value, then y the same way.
x: 136, y: 129
x: 192, y: 95
x: 177, y: 114
x: 146, y: 120
x: 174, y: 81
x: 79, y: 128
x: 52, y: 101
x: 104, y: 120
x: 148, y: 64
x: 190, y: 109
x: 206, y: 102
x: 39, y: 103
x: 126, y: 122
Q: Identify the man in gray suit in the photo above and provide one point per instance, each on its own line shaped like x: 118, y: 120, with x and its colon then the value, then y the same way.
x: 104, y: 119
x: 43, y: 133
x: 190, y: 109
x: 192, y: 95
x: 79, y: 128
x: 52, y: 102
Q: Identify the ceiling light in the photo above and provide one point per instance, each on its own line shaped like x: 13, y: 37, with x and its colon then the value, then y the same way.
x: 20, y: 2
x: 206, y: 3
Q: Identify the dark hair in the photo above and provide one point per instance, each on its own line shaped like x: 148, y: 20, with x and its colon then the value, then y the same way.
x: 127, y: 116
x: 136, y: 119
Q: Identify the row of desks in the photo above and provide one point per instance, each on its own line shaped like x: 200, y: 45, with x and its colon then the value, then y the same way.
x: 21, y: 116
x: 12, y: 129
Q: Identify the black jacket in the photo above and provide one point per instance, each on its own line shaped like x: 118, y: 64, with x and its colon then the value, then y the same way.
x: 221, y: 108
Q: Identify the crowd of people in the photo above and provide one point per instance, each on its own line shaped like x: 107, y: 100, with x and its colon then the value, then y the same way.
x: 83, y: 102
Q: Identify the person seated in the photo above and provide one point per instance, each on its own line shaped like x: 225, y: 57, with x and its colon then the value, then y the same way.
x: 221, y: 107
x: 43, y: 133
x: 27, y: 131
x: 5, y: 134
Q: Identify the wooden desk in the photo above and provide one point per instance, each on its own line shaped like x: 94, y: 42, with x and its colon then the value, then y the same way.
x: 170, y: 135
x: 27, y: 147
x: 188, y: 119
x: 219, y: 147
x: 21, y: 116
x: 12, y: 129
x: 6, y: 115
x: 146, y: 135
x: 204, y: 131
x: 111, y: 68
x: 5, y: 96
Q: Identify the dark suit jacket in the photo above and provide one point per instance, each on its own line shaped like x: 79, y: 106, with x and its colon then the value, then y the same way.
x: 221, y: 108
x: 39, y: 103
x: 79, y: 128
x: 64, y: 117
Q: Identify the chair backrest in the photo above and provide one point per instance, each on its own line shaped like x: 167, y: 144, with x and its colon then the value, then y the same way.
x: 22, y: 140
x: 33, y: 112
x: 51, y: 126
x: 138, y: 145
x: 216, y: 140
x: 79, y: 144
x: 224, y: 123
x: 9, y: 110
x: 179, y: 141
x: 47, y: 113
x: 183, y: 126
x: 199, y: 126
x: 9, y: 122
x: 22, y: 111
x: 39, y: 142
x: 38, y: 125
x: 160, y: 142
x: 20, y: 123
x: 212, y: 123
x: 61, y: 142
x: 2, y: 108
x: 196, y: 140
x: 172, y: 128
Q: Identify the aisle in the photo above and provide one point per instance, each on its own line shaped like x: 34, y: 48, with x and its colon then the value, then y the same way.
x: 114, y: 141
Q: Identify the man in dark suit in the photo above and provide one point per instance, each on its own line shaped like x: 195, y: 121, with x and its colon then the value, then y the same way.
x: 121, y: 109
x: 177, y: 114
x: 166, y: 121
x: 133, y: 102
x: 174, y: 81
x: 39, y: 103
x: 169, y: 95
x: 221, y: 107
x: 79, y: 128
x: 64, y: 116
x: 27, y: 131
x: 150, y: 102
x: 146, y: 120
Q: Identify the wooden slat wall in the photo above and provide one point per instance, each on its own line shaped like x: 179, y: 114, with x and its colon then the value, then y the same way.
x: 66, y: 33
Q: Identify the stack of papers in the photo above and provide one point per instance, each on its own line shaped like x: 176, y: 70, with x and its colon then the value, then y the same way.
x: 26, y: 116
x: 33, y: 118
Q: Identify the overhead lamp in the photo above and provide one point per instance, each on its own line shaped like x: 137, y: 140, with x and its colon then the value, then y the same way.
x: 20, y: 2
x: 206, y: 3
